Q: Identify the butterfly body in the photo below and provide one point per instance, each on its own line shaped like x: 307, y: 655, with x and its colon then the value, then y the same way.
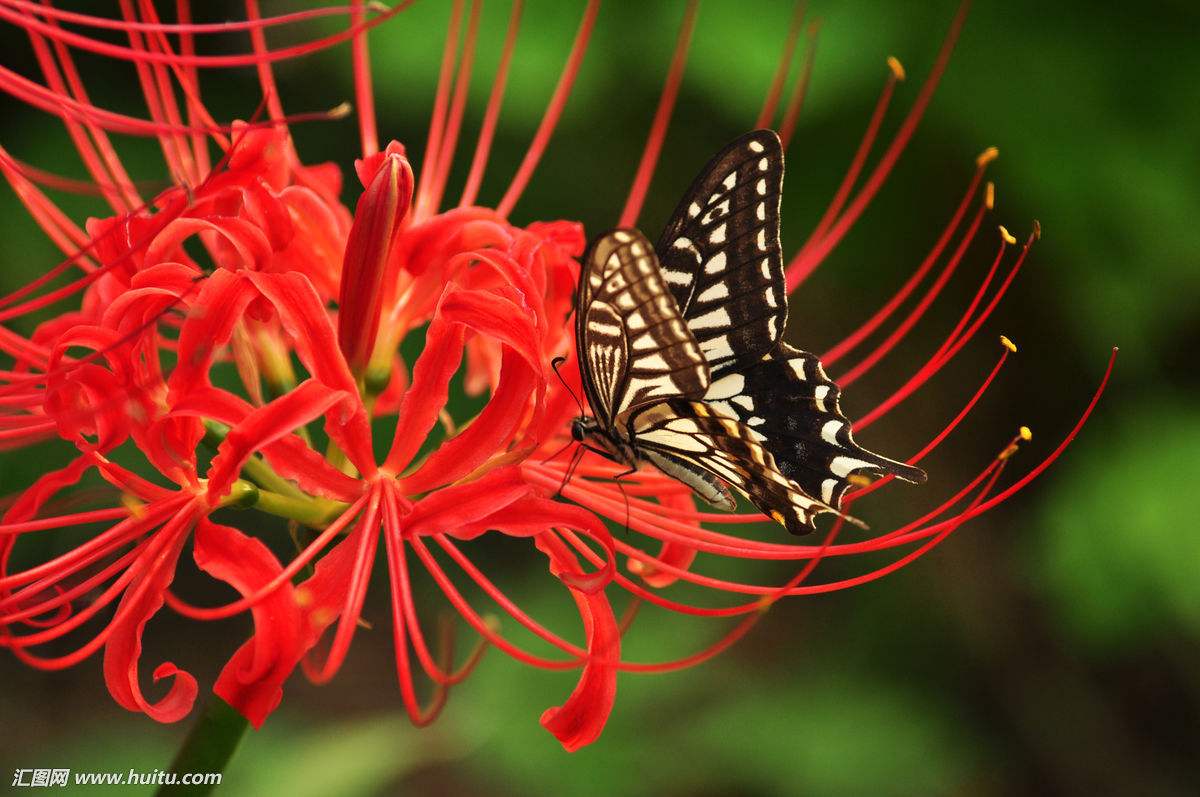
x: 683, y: 363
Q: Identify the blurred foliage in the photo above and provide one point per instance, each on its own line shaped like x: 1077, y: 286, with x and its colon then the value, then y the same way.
x: 1052, y: 647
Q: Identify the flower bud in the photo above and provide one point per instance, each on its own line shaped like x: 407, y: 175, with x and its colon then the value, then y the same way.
x: 388, y: 180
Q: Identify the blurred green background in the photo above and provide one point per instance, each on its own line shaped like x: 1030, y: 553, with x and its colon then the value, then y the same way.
x: 1053, y: 646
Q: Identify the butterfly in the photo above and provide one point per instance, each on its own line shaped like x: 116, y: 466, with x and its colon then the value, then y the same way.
x: 683, y: 363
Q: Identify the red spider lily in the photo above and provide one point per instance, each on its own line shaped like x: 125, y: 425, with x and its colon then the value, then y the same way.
x: 137, y: 365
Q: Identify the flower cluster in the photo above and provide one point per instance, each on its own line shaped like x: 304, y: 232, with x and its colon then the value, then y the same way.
x: 235, y: 342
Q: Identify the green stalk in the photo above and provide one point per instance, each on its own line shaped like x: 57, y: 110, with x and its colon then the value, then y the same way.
x: 209, y: 746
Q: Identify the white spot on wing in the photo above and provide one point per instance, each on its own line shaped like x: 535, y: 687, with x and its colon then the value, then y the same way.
x: 678, y: 277
x: 756, y: 147
x: 827, y: 490
x: 716, y: 349
x: 829, y: 432
x: 716, y: 318
x: 726, y: 387
x: 718, y: 291
x: 730, y: 181
x: 715, y: 264
x: 820, y: 394
x: 717, y: 236
x: 842, y: 466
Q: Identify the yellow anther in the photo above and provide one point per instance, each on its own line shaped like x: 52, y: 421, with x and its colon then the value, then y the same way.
x: 1037, y: 229
x: 492, y: 622
x: 897, y: 68
x: 763, y: 604
x: 990, y: 195
x: 779, y: 518
x: 987, y: 156
x: 1026, y: 433
x: 859, y: 480
x: 1008, y: 451
x: 1008, y: 344
x: 136, y: 508
x: 340, y: 111
x: 1007, y: 236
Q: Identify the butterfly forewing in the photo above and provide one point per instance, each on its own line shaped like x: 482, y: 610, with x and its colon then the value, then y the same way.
x: 721, y: 255
x: 633, y: 344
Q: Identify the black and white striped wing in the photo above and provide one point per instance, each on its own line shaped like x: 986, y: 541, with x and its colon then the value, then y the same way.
x: 633, y: 346
x: 791, y: 407
x: 688, y: 440
x: 721, y: 255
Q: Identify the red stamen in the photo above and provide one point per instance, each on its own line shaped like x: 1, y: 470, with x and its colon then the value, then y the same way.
x: 363, y: 94
x: 461, y: 83
x: 800, y: 90
x: 838, y: 350
x: 771, y: 101
x: 554, y: 110
x: 183, y: 27
x: 870, y: 360
x: 437, y: 120
x: 807, y: 260
x: 487, y: 129
x: 662, y: 116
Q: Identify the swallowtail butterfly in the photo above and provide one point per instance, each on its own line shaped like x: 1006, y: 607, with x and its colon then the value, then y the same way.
x: 683, y: 362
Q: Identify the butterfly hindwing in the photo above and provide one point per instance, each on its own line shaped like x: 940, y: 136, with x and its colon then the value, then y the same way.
x: 792, y: 407
x: 634, y: 347
x: 691, y: 432
x: 721, y: 255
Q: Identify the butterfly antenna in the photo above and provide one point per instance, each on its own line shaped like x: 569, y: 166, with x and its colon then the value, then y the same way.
x: 555, y: 363
x: 575, y: 458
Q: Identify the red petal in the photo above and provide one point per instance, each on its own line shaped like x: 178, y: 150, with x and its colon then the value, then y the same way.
x: 580, y: 720
x: 252, y: 681
x: 463, y: 504
x: 220, y: 305
x: 428, y: 393
x: 289, y: 455
x: 489, y: 434
x: 265, y: 425
x: 307, y: 323
x: 142, y: 599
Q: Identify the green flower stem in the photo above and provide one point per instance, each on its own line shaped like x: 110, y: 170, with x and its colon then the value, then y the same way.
x: 316, y: 513
x: 255, y: 468
x: 208, y: 746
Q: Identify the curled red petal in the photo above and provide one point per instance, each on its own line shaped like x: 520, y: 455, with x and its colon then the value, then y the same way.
x: 141, y: 601
x: 252, y: 681
x: 579, y: 721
